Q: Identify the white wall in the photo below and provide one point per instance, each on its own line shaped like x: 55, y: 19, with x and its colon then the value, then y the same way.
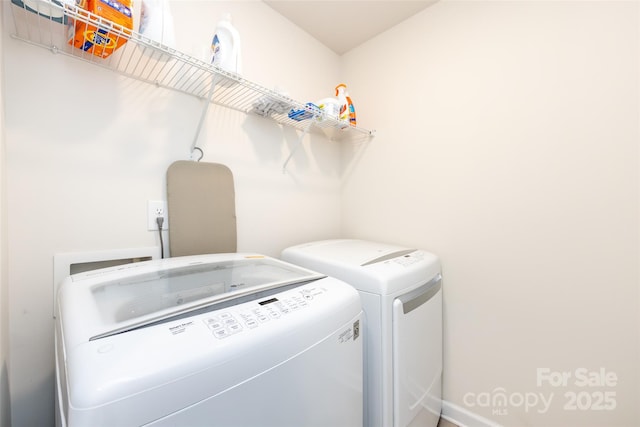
x: 86, y: 149
x: 508, y: 144
x: 5, y: 409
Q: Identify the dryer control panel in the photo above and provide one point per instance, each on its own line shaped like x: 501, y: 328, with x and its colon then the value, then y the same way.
x: 250, y: 315
x: 409, y: 259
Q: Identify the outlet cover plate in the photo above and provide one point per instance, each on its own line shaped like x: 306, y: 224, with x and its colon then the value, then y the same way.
x: 156, y: 208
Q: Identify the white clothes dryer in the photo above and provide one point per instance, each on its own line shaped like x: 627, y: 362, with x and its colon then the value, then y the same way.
x: 401, y: 293
x: 213, y: 340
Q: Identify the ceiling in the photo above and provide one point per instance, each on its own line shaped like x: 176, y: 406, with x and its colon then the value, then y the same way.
x: 343, y: 25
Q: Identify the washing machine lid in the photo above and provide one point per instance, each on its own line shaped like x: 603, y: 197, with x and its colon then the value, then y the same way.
x: 352, y: 252
x: 114, y: 300
x: 374, y: 267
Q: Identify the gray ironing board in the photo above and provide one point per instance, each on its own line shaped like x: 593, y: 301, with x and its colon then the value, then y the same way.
x: 201, y: 205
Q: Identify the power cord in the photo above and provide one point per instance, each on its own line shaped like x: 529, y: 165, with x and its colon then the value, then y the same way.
x: 160, y: 221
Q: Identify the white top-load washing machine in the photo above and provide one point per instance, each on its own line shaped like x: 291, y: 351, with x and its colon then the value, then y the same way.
x: 401, y: 296
x: 212, y: 340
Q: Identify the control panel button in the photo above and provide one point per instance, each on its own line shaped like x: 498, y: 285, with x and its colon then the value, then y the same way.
x: 220, y: 333
x: 251, y: 323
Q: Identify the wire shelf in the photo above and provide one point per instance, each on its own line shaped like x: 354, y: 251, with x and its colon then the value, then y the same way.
x: 50, y: 24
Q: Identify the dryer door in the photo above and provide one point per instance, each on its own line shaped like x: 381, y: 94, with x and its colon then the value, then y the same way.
x: 417, y: 356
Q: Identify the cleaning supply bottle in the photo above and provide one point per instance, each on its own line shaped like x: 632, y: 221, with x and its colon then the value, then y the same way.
x: 226, y: 46
x: 347, y: 110
x: 330, y: 107
x: 156, y: 23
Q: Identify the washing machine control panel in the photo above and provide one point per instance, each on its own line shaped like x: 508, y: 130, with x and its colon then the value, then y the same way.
x: 250, y: 315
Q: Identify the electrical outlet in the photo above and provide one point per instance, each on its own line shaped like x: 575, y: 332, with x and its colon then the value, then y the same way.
x: 155, y: 209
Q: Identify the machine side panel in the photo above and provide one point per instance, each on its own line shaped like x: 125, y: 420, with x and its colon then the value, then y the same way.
x: 374, y: 360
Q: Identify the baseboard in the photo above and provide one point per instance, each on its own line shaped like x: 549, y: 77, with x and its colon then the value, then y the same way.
x: 463, y: 417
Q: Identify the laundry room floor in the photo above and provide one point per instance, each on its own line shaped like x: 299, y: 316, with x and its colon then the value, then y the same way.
x: 445, y: 423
